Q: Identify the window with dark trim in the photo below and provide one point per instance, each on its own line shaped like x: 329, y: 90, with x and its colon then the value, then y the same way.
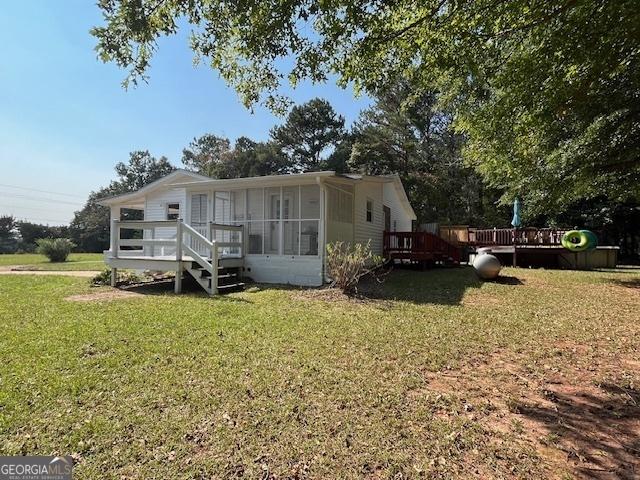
x: 173, y: 211
x: 369, y: 210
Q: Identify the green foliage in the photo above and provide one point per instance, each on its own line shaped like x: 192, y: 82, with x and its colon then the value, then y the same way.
x: 409, y: 134
x: 142, y: 169
x: 208, y: 155
x: 347, y: 264
x: 30, y: 232
x: 546, y: 91
x: 250, y: 159
x: 8, y: 240
x: 310, y: 131
x: 213, y: 156
x: 124, y: 277
x: 55, y: 249
x: 90, y: 226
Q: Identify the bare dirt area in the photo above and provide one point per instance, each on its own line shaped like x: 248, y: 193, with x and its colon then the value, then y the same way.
x: 579, y: 410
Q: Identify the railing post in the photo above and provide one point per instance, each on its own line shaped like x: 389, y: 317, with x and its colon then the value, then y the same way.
x: 214, y: 267
x: 115, y: 235
x: 153, y: 237
x: 178, y: 281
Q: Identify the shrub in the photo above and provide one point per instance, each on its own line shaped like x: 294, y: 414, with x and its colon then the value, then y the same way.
x: 347, y: 264
x: 124, y: 278
x: 55, y: 249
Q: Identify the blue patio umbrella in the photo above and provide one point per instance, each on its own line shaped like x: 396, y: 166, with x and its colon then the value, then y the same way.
x: 517, y: 221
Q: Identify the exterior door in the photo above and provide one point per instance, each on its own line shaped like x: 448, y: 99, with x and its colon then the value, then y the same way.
x: 387, y: 218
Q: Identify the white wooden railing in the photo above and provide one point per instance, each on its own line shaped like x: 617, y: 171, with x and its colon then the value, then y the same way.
x: 188, y: 241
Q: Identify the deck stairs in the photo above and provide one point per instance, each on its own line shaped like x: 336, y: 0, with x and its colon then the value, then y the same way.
x: 229, y: 278
x: 215, y: 273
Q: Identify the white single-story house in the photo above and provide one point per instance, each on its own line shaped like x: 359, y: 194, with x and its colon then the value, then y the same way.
x: 272, y: 229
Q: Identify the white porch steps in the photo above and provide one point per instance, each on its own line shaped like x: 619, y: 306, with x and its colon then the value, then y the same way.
x: 228, y: 278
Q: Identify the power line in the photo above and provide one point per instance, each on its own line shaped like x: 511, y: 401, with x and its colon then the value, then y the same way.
x: 39, y: 199
x: 43, y: 220
x: 20, y: 207
x: 41, y: 191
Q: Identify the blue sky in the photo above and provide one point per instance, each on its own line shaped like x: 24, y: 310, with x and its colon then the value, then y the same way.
x: 65, y: 120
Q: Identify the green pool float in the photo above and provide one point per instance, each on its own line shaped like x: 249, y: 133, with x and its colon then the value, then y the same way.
x: 579, y: 240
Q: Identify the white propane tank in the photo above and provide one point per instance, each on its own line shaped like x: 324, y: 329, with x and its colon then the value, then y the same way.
x: 487, y: 266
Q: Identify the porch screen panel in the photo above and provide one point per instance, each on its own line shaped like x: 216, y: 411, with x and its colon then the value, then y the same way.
x: 283, y: 220
x: 309, y: 219
x: 339, y: 213
x: 291, y: 238
x: 255, y: 223
x: 273, y: 212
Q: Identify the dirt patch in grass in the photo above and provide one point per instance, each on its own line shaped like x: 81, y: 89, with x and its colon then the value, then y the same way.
x: 577, y: 408
x: 104, y: 295
x: 333, y: 295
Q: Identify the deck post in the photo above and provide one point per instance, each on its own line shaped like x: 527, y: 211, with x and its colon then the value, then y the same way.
x: 214, y: 268
x: 114, y: 277
x: 115, y: 235
x: 178, y: 280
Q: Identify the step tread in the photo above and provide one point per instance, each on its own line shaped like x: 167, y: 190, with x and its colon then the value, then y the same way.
x: 231, y: 285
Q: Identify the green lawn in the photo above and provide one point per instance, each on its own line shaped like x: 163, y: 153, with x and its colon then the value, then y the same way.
x: 34, y: 261
x: 441, y: 376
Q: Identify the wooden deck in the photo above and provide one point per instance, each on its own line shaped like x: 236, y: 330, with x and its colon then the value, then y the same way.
x: 215, y: 265
x: 419, y: 247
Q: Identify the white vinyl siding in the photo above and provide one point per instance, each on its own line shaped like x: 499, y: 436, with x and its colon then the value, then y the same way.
x: 400, y: 219
x: 364, y: 230
x: 156, y: 209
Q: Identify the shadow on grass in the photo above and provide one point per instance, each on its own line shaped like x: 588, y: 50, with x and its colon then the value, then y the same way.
x: 441, y: 286
x: 598, y: 428
x: 508, y: 280
x: 166, y: 287
x: 635, y: 283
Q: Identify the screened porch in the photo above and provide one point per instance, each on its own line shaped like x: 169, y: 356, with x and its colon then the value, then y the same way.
x: 277, y: 220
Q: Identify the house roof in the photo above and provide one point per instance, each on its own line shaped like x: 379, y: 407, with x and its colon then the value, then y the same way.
x: 264, y: 180
x: 196, y: 181
x: 138, y: 195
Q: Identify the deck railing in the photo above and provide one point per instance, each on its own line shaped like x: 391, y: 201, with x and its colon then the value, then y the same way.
x: 418, y: 246
x: 512, y: 236
x: 160, y: 238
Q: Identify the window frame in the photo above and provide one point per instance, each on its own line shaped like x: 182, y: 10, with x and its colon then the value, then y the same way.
x: 369, y: 210
x: 167, y: 208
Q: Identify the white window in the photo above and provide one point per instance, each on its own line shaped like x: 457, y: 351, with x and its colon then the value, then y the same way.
x: 173, y: 211
x: 369, y: 210
x: 198, y: 209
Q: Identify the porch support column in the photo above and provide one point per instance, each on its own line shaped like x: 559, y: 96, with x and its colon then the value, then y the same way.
x: 115, y: 217
x: 321, y: 228
x: 179, y: 271
x: 114, y: 237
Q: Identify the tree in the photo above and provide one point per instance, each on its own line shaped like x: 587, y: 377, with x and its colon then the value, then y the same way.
x: 310, y: 132
x: 90, y: 226
x: 141, y: 170
x: 30, y: 232
x: 407, y: 134
x: 545, y: 91
x: 250, y: 159
x: 207, y: 155
x: 8, y: 240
